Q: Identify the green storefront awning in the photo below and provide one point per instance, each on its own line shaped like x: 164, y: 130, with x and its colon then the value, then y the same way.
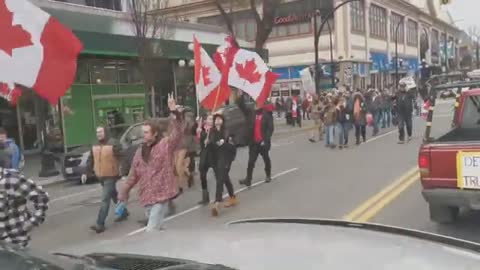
x: 95, y: 32
x: 117, y: 45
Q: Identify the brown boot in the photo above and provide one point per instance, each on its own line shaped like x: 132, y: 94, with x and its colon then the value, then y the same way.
x: 232, y: 201
x: 215, y: 209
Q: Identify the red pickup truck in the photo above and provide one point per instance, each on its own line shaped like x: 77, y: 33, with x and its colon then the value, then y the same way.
x: 437, y: 160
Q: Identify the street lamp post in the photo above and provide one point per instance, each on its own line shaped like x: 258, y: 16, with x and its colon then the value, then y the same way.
x: 332, y: 69
x: 318, y: 30
x: 396, y: 52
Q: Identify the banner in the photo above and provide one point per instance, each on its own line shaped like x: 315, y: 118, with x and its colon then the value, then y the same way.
x: 468, y: 170
x: 307, y: 80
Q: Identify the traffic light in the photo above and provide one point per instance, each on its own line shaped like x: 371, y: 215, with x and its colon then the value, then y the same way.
x: 445, y: 2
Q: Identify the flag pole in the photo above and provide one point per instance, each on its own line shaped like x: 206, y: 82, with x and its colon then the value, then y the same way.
x: 216, y: 99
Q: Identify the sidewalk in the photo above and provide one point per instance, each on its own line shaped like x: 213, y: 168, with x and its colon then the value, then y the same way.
x: 32, y: 168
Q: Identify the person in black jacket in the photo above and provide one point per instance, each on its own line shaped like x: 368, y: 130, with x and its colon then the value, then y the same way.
x: 404, y: 108
x: 259, y: 135
x: 224, y: 152
x: 206, y: 157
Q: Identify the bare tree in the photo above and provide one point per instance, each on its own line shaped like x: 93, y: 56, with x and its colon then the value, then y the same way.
x: 264, y: 19
x: 150, y: 28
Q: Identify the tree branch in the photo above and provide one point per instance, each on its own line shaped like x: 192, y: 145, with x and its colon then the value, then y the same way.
x: 226, y: 16
x: 253, y: 8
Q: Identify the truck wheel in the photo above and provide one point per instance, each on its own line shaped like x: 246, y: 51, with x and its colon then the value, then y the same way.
x: 443, y: 214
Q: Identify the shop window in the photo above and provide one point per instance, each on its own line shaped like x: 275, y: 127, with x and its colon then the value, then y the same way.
x: 82, y: 75
x: 282, y: 30
x: 304, y: 27
x: 104, y: 72
x: 128, y: 72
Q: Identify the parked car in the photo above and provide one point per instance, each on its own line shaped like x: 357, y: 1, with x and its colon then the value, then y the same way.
x: 444, y: 187
x: 75, y: 161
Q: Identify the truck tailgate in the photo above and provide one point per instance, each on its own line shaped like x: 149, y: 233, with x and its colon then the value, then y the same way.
x: 442, y: 171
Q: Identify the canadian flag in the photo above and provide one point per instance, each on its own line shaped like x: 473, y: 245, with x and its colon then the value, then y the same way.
x: 250, y: 74
x: 207, y: 79
x: 36, y: 51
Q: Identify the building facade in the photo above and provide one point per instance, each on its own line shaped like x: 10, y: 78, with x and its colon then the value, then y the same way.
x: 366, y: 37
x: 108, y: 88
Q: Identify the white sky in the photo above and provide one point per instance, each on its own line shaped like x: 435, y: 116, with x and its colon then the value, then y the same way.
x: 467, y: 11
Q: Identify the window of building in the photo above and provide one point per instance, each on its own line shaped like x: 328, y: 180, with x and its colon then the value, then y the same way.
x: 357, y: 16
x: 378, y: 22
x: 412, y: 33
x: 107, y: 4
x: 107, y: 71
x: 83, y: 74
x: 435, y: 42
x: 396, y: 20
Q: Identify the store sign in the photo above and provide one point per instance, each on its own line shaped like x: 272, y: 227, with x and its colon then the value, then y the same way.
x: 292, y: 18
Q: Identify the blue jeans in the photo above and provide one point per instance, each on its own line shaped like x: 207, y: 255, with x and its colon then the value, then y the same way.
x: 109, y: 193
x: 377, y: 118
x: 387, y: 118
x: 156, y: 216
x: 329, y: 135
x: 342, y: 133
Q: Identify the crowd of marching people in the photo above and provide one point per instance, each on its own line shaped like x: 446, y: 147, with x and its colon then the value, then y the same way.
x: 164, y: 166
x: 336, y: 113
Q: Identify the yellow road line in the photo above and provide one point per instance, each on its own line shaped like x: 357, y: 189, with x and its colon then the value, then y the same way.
x: 370, y: 213
x: 375, y: 198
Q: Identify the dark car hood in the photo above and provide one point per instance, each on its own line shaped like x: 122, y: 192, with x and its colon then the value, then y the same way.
x: 300, y: 245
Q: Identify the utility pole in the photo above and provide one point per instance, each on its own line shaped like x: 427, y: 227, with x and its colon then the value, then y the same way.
x: 445, y: 51
x: 332, y: 68
x: 396, y: 53
x: 315, y: 24
x: 478, y: 54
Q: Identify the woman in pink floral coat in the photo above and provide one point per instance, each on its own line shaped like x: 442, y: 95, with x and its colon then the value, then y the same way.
x: 153, y: 168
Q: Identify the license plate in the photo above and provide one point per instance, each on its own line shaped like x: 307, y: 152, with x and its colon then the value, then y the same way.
x: 69, y: 170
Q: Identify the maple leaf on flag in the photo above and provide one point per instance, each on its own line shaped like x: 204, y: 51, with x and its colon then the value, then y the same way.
x: 206, y: 75
x: 13, y: 36
x: 248, y: 71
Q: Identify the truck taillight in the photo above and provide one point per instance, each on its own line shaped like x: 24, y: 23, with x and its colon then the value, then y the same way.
x: 424, y: 164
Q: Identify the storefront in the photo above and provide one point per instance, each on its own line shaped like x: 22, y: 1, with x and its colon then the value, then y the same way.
x: 379, y: 70
x: 108, y: 88
x: 289, y: 82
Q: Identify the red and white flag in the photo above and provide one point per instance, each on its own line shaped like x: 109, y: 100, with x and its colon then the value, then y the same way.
x: 207, y: 79
x: 36, y: 51
x: 250, y: 74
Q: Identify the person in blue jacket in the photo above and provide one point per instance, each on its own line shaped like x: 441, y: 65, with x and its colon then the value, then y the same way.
x: 9, y: 151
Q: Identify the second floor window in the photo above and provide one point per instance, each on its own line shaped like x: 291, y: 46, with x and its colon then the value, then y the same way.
x: 357, y: 16
x: 412, y: 33
x: 397, y: 21
x: 378, y: 22
x: 107, y: 4
x: 435, y: 42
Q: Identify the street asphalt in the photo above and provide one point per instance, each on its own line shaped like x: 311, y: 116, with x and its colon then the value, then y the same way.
x: 310, y: 181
